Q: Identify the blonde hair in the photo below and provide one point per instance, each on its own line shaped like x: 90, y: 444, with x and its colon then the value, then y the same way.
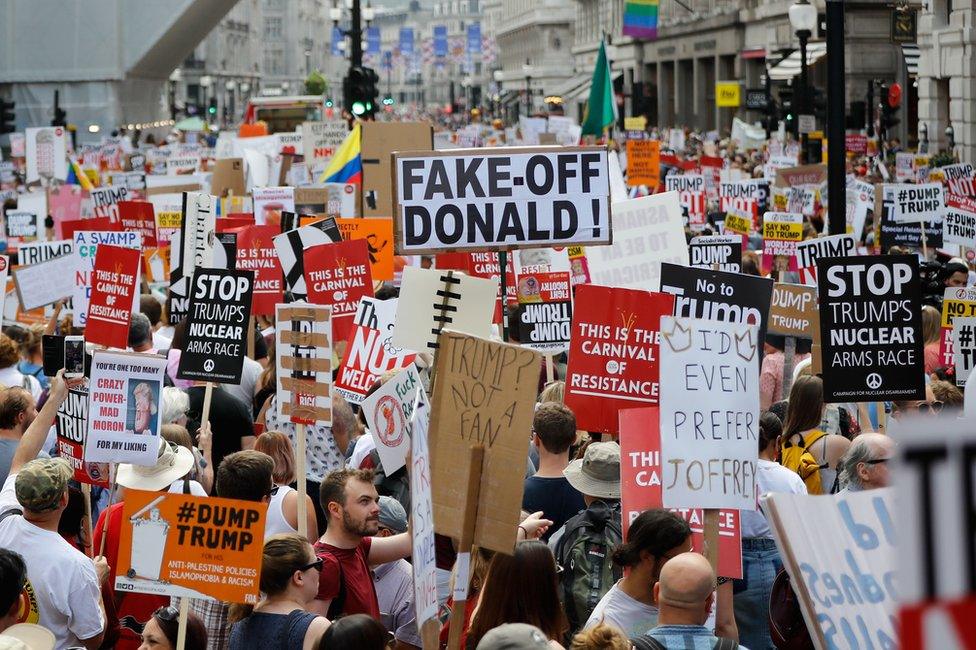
x: 553, y: 392
x: 9, y: 352
x: 277, y: 445
x: 931, y: 325
x: 600, y: 637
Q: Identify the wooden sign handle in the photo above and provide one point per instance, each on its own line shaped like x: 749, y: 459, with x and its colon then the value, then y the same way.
x: 184, y: 617
x: 473, y: 490
x: 90, y: 546
x: 300, y: 480
x: 711, y: 537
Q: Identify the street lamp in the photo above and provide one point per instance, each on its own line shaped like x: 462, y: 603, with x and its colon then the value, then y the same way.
x: 803, y: 19
x: 527, y: 71
x: 923, y: 138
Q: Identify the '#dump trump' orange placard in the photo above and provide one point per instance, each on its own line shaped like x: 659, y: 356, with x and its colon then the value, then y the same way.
x: 182, y: 545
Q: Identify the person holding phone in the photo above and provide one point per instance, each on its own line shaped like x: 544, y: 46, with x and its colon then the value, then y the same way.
x: 10, y: 376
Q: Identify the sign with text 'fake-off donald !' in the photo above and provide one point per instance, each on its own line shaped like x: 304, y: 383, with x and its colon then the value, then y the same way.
x: 500, y: 199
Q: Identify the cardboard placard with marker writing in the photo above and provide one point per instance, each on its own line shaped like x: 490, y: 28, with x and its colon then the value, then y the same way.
x: 303, y: 340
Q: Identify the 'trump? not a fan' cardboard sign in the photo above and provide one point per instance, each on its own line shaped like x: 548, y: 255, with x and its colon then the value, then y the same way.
x: 484, y: 395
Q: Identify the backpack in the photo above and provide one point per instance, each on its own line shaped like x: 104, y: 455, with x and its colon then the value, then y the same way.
x: 645, y: 642
x: 796, y: 458
x: 787, y: 629
x: 584, y: 553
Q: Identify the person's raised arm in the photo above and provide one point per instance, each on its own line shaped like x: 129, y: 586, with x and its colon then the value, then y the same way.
x: 33, y: 439
x: 388, y: 549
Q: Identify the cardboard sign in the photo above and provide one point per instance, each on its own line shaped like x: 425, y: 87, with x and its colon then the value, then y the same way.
x: 303, y: 340
x: 917, y: 202
x: 963, y: 333
x: 793, y: 310
x: 47, y: 282
x: 378, y: 234
x: 46, y: 154
x: 124, y: 408
x: 959, y: 222
x: 338, y: 200
x: 782, y: 231
x: 871, y: 329
x: 486, y: 396
x: 801, y: 175
x: 192, y: 547
x: 139, y: 216
x: 379, y: 141
x: 256, y: 252
x: 714, y: 295
x: 114, y: 290
x: 545, y: 311
x: 739, y: 221
x: 4, y: 274
x: 370, y: 353
x: 86, y: 243
x: 755, y: 189
x: 21, y: 226
x: 338, y: 275
x: 906, y: 233
x: 423, y: 558
x: 709, y: 413
x: 71, y: 425
x: 932, y: 473
x: 839, y: 551
x: 217, y: 326
x: 809, y: 251
x: 956, y: 302
x: 644, y: 163
x: 228, y: 177
x: 105, y: 201
x: 496, y: 199
x: 646, y: 233
x: 270, y: 202
x: 432, y: 300
x: 320, y: 140
x: 640, y: 488
x: 291, y: 246
x: 613, y: 359
x: 716, y: 252
x: 388, y: 412
x: 197, y: 232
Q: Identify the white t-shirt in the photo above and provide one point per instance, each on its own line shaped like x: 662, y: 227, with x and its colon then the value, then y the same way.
x: 250, y: 373
x: 176, y: 487
x: 161, y: 342
x: 770, y: 477
x: 62, y: 583
x: 11, y: 377
x: 616, y: 608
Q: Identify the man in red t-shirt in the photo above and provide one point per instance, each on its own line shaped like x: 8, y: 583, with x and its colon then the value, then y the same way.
x: 348, y: 548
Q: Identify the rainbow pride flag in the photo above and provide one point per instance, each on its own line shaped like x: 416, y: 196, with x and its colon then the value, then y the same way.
x: 346, y: 165
x: 640, y: 19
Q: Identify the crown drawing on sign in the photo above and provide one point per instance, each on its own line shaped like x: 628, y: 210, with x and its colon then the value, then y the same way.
x: 118, y: 268
x: 628, y: 320
x: 257, y: 242
x: 744, y: 344
x: 679, y: 338
x: 340, y: 262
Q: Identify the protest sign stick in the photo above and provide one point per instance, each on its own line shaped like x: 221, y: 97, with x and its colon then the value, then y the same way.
x: 207, y: 397
x: 550, y: 370
x: 250, y: 337
x: 430, y: 634
x: 711, y: 537
x: 925, y: 248
x: 789, y: 357
x: 184, y: 617
x: 111, y: 500
x: 477, y: 456
x: 300, y: 479
x: 503, y: 266
x: 86, y: 493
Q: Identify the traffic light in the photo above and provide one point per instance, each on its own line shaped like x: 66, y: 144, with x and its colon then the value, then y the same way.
x: 360, y: 92
x: 329, y: 103
x: 786, y: 111
x: 212, y: 107
x: 388, y: 101
x: 890, y: 103
x: 7, y: 117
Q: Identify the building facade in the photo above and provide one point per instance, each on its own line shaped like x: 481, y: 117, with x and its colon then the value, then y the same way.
x: 947, y: 78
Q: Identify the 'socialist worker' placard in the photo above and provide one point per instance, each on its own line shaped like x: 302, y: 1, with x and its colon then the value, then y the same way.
x: 198, y: 547
x: 216, y: 330
x: 871, y: 326
x: 493, y: 199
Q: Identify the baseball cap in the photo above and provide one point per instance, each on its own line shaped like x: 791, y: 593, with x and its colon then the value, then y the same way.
x: 41, y: 482
x: 392, y: 515
x: 27, y: 635
x: 514, y: 636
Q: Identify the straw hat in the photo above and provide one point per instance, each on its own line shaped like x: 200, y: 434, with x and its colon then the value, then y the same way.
x: 172, y: 464
x: 27, y: 635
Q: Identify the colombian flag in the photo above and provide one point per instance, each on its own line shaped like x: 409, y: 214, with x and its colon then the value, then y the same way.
x: 346, y: 165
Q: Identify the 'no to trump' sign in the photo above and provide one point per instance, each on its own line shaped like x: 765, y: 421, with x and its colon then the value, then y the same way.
x: 495, y: 199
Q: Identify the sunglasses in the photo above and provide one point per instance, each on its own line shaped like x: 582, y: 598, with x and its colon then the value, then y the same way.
x: 168, y: 613
x: 931, y: 407
x: 317, y: 565
x: 876, y: 461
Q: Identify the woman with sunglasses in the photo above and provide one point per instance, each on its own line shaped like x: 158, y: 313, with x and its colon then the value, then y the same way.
x: 162, y: 628
x: 289, y: 582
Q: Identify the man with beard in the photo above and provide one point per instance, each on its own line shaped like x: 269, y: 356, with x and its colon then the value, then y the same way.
x: 17, y: 411
x: 348, y: 548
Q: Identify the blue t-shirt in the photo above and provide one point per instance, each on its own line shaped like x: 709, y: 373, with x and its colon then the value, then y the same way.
x: 686, y: 637
x: 555, y: 497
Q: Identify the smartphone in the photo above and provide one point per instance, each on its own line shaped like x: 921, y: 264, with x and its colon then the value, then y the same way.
x: 52, y: 347
x: 74, y: 356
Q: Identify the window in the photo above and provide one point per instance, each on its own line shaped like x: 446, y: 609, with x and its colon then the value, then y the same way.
x: 272, y: 27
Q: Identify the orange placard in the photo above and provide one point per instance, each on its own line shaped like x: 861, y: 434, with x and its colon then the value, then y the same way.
x: 198, y: 547
x: 644, y: 163
x: 378, y: 233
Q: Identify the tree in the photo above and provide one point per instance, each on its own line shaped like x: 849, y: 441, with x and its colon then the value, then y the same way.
x: 316, y: 84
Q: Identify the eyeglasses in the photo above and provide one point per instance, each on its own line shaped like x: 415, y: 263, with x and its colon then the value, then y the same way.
x: 934, y: 406
x: 876, y: 461
x: 317, y: 565
x: 167, y: 614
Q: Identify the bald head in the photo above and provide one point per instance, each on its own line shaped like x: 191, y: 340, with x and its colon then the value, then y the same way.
x: 865, y: 465
x: 686, y: 580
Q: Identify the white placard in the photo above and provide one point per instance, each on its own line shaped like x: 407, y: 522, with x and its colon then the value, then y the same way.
x: 47, y: 282
x: 925, y: 202
x: 47, y: 154
x: 388, y: 411
x: 422, y: 515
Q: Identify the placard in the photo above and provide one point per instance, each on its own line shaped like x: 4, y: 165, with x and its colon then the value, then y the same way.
x: 303, y: 340
x: 963, y: 333
x: 716, y: 252
x: 46, y: 154
x: 338, y: 275
x: 793, y: 311
x: 321, y: 140
x: 809, y: 251
x: 432, y: 300
x: 197, y: 233
x: 782, y: 231
x: 71, y: 426
x: 22, y: 226
x: 37, y: 252
x: 906, y: 233
x: 613, y: 359
x: 494, y: 199
x: 114, y: 292
x: 709, y: 413
x: 291, y: 246
x: 85, y: 244
x: 839, y: 551
x: 47, y: 282
x: 423, y: 558
x: 105, y: 200
x: 923, y: 202
x: 217, y: 326
x: 370, y: 353
x: 139, y: 216
x: 124, y: 408
x: 959, y: 222
x: 545, y: 312
x: 871, y: 328
x: 256, y: 252
x: 191, y: 547
x: 488, y: 400
x: 388, y: 412
x: 644, y: 163
x: 270, y: 202
x: 956, y: 302
x: 641, y: 472
x: 646, y: 233
x: 378, y: 234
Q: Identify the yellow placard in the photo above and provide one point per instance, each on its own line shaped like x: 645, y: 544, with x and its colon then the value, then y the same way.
x: 728, y: 94
x: 737, y: 224
x: 780, y: 230
x: 638, y: 123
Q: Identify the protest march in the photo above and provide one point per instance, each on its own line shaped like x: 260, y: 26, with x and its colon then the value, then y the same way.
x: 419, y: 380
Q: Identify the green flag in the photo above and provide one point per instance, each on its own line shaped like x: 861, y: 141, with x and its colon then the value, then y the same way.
x: 601, y: 109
